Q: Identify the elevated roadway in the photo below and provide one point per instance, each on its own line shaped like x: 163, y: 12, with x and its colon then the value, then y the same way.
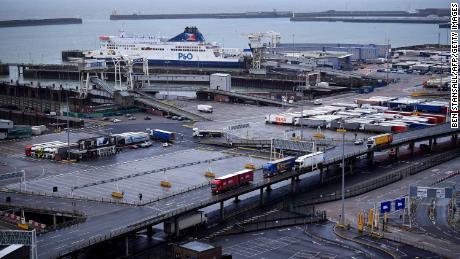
x: 129, y: 219
x: 243, y: 97
x: 150, y: 101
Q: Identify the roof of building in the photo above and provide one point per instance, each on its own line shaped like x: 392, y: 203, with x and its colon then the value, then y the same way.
x: 319, y: 54
x: 197, y: 246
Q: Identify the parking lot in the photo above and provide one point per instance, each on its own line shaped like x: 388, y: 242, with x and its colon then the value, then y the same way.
x: 183, y: 169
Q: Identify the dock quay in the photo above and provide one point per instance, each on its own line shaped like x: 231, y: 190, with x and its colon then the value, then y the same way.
x: 420, y: 20
x: 243, y: 15
x: 40, y: 22
x: 280, y: 79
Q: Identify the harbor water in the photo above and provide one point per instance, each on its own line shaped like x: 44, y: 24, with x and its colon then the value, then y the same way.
x: 43, y: 44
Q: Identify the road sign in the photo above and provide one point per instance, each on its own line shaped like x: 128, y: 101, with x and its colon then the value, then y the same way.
x: 237, y: 127
x: 440, y: 193
x: 427, y: 192
x: 300, y: 146
x: 400, y: 204
x: 385, y: 206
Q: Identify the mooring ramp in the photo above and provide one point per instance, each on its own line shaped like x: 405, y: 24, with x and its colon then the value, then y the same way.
x: 102, y: 85
x: 245, y: 97
x: 151, y: 101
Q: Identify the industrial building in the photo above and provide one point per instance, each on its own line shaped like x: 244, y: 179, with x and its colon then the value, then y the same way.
x: 360, y: 52
x: 197, y: 249
x: 332, y: 59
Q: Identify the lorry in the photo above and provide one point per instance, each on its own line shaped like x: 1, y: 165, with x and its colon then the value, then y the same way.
x: 192, y: 219
x: 379, y: 140
x: 29, y: 150
x: 162, y: 135
x: 207, y: 133
x: 231, y: 181
x: 204, y: 108
x: 130, y: 138
x: 278, y: 166
x: 284, y: 118
x: 311, y: 160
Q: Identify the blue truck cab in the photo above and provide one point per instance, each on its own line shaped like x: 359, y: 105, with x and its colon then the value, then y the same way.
x: 278, y: 166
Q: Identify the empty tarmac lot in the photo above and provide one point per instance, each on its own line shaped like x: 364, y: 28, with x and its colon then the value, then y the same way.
x: 184, y: 169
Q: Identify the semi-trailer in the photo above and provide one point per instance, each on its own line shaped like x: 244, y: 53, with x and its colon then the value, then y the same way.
x: 204, y: 108
x: 29, y: 150
x: 278, y: 166
x: 162, y: 135
x: 183, y: 222
x: 207, y: 133
x: 311, y: 160
x: 378, y: 140
x: 231, y: 181
x: 129, y: 138
x: 284, y: 118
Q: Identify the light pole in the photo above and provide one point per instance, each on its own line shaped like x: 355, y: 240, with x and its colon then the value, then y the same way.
x: 68, y: 130
x: 342, y: 217
x: 167, y: 77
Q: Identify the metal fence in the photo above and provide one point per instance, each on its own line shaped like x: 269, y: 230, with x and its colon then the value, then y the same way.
x: 387, y: 178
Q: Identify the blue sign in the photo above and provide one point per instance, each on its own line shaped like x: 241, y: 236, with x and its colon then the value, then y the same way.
x: 385, y: 206
x: 400, y: 204
x: 183, y: 56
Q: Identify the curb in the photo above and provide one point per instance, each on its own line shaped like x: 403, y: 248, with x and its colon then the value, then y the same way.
x: 364, y: 243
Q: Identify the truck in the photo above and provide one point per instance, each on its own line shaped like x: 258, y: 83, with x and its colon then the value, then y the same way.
x: 207, y: 133
x: 129, y: 138
x: 29, y: 150
x: 311, y: 160
x: 162, y: 135
x: 231, y: 181
x: 192, y: 219
x: 284, y: 118
x: 278, y: 166
x: 378, y: 140
x: 204, y: 108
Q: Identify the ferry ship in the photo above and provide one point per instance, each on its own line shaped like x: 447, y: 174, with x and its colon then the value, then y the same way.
x: 188, y: 49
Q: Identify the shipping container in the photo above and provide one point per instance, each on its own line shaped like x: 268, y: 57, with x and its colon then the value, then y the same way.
x: 278, y: 166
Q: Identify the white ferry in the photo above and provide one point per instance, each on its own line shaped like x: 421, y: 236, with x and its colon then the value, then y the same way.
x: 187, y: 49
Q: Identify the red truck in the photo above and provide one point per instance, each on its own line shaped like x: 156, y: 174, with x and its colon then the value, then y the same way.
x: 230, y: 181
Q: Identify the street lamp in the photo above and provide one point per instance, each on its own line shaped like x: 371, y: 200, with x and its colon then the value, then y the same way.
x: 343, y: 131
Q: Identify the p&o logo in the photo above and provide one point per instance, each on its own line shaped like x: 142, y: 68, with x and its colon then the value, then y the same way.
x: 182, y: 56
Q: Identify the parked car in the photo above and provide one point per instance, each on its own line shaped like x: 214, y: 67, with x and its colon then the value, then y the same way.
x: 146, y: 144
x: 106, y: 119
x: 147, y: 118
x: 128, y: 115
x: 359, y: 141
x: 116, y: 120
x: 318, y: 102
x: 132, y: 118
x: 175, y: 117
x: 166, y: 144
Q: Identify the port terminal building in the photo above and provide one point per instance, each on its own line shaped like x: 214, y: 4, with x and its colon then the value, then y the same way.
x: 360, y: 52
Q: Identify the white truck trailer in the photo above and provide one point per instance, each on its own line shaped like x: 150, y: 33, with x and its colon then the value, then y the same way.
x: 204, y: 108
x: 311, y: 160
x: 186, y: 221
